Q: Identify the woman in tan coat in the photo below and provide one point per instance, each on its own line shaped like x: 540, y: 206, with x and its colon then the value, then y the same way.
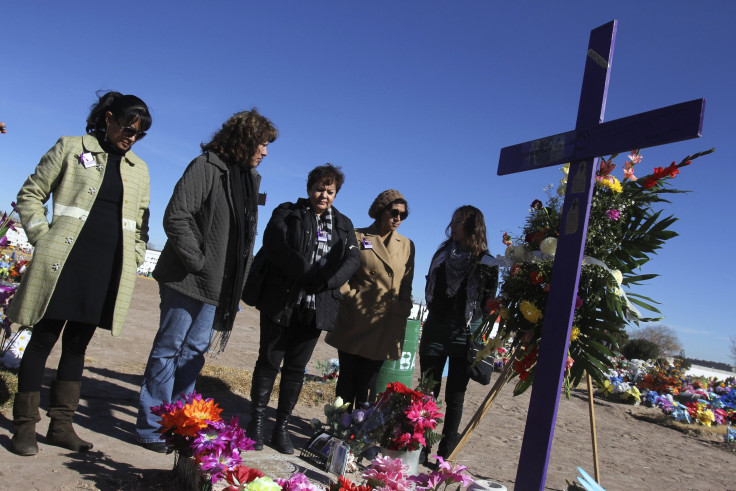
x: 84, y: 264
x: 371, y: 323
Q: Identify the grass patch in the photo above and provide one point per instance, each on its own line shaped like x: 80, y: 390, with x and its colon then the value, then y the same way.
x: 8, y: 388
x: 218, y: 381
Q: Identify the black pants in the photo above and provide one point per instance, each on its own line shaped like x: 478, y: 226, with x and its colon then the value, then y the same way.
x: 74, y: 341
x: 356, y: 383
x: 293, y: 345
x: 457, y: 383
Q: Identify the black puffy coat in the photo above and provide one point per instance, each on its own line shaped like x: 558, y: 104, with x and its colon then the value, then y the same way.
x: 288, y: 244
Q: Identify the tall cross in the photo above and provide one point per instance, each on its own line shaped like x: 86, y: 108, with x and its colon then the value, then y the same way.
x: 590, y: 139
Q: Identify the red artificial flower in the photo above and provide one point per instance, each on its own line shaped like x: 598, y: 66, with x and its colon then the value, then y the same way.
x: 345, y: 484
x: 515, y: 269
x: 578, y: 302
x: 241, y: 475
x: 672, y: 170
x: 536, y: 204
x: 506, y: 239
x: 536, y: 277
x: 649, y: 182
x: 493, y: 304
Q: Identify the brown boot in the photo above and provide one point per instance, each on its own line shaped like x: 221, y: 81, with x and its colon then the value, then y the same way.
x: 62, y: 406
x: 25, y: 417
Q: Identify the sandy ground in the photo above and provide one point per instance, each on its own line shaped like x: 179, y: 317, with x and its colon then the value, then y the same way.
x: 633, y: 452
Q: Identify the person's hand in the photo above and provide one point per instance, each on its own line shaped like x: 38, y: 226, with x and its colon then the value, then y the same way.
x: 2, y: 127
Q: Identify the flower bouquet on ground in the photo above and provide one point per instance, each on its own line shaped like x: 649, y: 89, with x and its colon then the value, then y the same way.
x: 401, y: 419
x: 194, y: 429
x: 386, y: 473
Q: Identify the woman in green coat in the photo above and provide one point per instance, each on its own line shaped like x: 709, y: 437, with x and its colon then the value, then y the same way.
x: 85, y: 261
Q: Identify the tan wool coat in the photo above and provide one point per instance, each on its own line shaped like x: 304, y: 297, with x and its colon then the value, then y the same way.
x: 74, y: 187
x: 377, y: 299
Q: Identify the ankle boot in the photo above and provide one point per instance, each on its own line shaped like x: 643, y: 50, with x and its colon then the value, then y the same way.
x: 25, y: 417
x: 289, y: 391
x: 280, y: 440
x: 62, y: 406
x: 448, y: 444
x: 260, y: 394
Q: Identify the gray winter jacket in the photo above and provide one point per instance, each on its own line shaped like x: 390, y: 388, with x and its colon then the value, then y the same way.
x: 197, y: 222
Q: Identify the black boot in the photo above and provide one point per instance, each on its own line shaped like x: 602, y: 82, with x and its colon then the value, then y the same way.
x: 448, y: 444
x: 289, y: 391
x: 280, y: 440
x: 25, y: 417
x: 62, y: 406
x: 260, y: 394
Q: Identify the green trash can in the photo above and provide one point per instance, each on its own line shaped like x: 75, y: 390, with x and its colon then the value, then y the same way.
x: 401, y: 370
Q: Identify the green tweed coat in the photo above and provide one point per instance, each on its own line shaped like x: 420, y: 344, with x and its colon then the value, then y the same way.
x: 74, y: 188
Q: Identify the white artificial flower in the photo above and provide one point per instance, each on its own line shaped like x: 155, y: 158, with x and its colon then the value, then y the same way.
x: 618, y: 276
x: 548, y: 246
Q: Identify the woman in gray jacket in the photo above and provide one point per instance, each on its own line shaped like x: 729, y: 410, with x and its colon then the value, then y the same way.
x: 210, y: 223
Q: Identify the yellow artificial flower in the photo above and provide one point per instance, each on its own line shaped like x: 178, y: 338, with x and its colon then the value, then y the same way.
x: 263, y: 483
x: 614, y: 184
x: 530, y: 311
x: 574, y: 334
x: 706, y: 417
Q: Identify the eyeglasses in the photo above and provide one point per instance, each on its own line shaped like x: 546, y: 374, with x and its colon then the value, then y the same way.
x: 396, y: 213
x: 129, y: 132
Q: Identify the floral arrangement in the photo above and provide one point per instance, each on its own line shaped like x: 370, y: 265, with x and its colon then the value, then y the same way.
x: 688, y: 399
x: 401, y: 419
x: 389, y: 474
x: 12, y: 344
x: 330, y: 369
x: 624, y: 231
x: 193, y: 428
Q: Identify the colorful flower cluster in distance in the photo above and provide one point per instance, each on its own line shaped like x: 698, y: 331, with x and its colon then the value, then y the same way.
x: 687, y: 399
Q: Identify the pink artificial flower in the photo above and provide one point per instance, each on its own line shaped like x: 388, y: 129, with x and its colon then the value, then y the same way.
x: 613, y: 214
x: 569, y: 362
x: 578, y: 302
x: 604, y: 170
x: 423, y: 414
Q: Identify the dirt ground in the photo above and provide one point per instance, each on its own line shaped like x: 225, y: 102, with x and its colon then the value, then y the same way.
x: 634, y: 453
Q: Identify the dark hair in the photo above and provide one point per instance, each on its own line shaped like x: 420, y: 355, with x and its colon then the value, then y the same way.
x: 329, y: 173
x: 239, y: 137
x: 127, y: 110
x: 474, y: 228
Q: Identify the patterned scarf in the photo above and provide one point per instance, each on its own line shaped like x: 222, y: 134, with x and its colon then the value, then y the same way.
x: 324, y: 230
x: 458, y: 266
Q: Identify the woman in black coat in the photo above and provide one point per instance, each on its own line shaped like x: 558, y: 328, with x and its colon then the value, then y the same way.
x: 310, y: 250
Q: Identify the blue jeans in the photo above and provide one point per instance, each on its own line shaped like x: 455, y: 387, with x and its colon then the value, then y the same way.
x: 176, y: 358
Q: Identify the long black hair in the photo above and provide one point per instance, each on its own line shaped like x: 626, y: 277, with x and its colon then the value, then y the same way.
x: 127, y: 109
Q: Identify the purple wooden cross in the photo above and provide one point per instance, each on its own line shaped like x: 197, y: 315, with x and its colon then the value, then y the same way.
x: 591, y: 138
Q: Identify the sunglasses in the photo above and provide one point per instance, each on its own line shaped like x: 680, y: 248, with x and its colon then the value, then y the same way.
x: 129, y: 132
x: 395, y: 213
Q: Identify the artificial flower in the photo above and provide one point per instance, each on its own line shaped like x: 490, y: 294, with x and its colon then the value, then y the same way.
x: 537, y: 278
x: 262, y: 484
x: 240, y: 476
x: 548, y: 246
x: 574, y: 334
x: 530, y: 311
x: 613, y: 214
x: 298, y: 482
x: 536, y: 204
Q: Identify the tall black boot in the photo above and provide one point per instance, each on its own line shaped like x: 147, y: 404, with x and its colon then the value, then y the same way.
x: 260, y: 394
x: 453, y: 415
x: 25, y: 417
x: 62, y: 406
x: 289, y: 391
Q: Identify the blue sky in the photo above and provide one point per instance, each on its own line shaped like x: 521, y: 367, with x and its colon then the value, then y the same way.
x: 414, y: 95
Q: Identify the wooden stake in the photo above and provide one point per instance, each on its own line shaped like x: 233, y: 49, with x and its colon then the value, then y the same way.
x: 591, y: 409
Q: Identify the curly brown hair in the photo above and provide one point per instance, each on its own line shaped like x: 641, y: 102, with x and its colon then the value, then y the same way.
x: 474, y: 226
x: 240, y: 135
